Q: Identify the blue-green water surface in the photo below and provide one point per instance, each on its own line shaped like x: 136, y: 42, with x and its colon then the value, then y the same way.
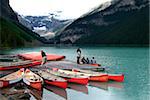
x: 133, y: 62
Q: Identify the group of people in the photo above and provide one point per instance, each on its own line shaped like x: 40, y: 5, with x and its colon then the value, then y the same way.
x: 83, y: 60
x: 80, y: 59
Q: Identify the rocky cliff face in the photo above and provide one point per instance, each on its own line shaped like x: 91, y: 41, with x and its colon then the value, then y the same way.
x: 25, y: 22
x: 6, y: 11
x: 116, y: 22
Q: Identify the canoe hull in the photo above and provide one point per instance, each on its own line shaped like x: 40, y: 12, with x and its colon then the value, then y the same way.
x: 95, y: 65
x: 4, y: 83
x: 32, y: 79
x: 57, y: 83
x: 83, y: 81
x: 36, y: 85
x: 117, y: 77
x: 93, y: 77
x: 100, y: 78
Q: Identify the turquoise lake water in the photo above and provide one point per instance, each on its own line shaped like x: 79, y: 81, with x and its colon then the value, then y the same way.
x: 133, y: 62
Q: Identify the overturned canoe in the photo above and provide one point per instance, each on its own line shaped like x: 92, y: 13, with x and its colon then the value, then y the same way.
x: 53, y: 79
x: 80, y: 79
x: 32, y: 79
x: 37, y: 56
x: 102, y: 77
x: 11, y: 78
x: 116, y: 77
x: 20, y: 64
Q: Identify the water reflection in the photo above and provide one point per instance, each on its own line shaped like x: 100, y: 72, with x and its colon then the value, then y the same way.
x: 78, y: 87
x: 106, y: 85
x: 59, y: 91
x: 101, y: 85
x: 17, y: 90
x: 36, y: 93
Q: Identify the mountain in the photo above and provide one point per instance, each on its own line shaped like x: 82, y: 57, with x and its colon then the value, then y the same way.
x: 25, y: 22
x: 115, y: 22
x: 12, y: 33
x: 45, y: 26
x: 6, y: 11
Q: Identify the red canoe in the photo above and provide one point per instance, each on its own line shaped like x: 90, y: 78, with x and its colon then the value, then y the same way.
x: 100, y: 78
x: 80, y: 79
x: 52, y: 79
x: 95, y: 65
x: 103, y: 77
x: 116, y: 77
x: 93, y: 76
x: 37, y: 56
x: 11, y: 78
x: 20, y: 64
x: 32, y: 79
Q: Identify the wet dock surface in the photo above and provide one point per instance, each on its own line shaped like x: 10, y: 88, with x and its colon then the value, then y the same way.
x: 64, y: 64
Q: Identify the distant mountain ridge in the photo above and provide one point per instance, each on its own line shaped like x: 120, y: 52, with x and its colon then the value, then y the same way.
x: 117, y: 22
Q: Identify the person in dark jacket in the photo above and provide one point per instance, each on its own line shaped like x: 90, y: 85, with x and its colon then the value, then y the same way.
x: 78, y: 56
x: 84, y: 61
x: 87, y: 59
x: 44, y: 57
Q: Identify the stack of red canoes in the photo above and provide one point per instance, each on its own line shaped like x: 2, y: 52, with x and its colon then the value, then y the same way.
x: 37, y: 56
x: 30, y: 59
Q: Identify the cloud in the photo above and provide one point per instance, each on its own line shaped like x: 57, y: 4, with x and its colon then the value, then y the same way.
x: 68, y: 9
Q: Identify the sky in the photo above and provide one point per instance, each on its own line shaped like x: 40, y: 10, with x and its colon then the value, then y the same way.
x: 66, y: 9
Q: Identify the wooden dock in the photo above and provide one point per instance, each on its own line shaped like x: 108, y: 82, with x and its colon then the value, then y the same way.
x: 67, y: 65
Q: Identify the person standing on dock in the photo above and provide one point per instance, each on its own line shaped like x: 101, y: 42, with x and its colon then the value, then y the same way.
x: 44, y: 57
x: 78, y: 56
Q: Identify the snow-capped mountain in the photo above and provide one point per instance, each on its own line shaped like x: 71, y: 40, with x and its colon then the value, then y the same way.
x: 45, y: 26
